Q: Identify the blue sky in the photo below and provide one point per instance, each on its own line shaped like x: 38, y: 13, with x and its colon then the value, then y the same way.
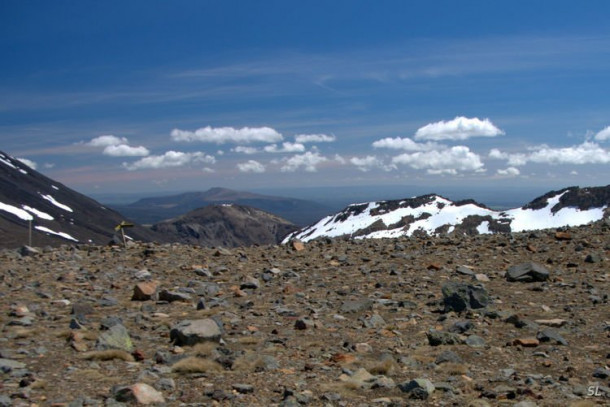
x: 161, y: 96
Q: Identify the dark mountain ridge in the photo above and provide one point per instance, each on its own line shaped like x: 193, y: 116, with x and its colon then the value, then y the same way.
x: 57, y: 213
x: 227, y: 225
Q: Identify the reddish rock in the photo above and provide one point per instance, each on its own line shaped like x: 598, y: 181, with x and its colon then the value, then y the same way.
x: 144, y: 291
x: 297, y: 245
x: 563, y: 236
x: 527, y: 342
x: 139, y: 393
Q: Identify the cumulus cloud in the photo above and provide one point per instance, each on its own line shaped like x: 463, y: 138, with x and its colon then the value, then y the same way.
x: 117, y: 146
x: 251, y: 166
x: 449, y: 161
x: 406, y: 143
x: 368, y: 163
x: 286, y: 147
x: 123, y: 150
x: 314, y: 138
x: 603, y: 135
x: 222, y: 135
x: 340, y: 159
x: 29, y: 163
x: 509, y: 172
x: 170, y: 159
x: 106, y: 141
x: 460, y: 128
x: 585, y: 153
x: 307, y: 161
x: 245, y: 150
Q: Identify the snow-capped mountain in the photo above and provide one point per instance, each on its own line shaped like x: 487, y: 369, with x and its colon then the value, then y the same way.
x: 434, y: 214
x: 56, y: 213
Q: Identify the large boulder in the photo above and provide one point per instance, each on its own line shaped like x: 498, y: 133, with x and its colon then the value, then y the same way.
x: 527, y: 272
x: 191, y: 332
x: 461, y: 296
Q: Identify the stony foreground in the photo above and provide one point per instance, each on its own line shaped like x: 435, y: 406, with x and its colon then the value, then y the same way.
x: 509, y: 320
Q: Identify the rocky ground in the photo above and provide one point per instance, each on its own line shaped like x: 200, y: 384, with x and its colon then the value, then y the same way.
x: 507, y: 320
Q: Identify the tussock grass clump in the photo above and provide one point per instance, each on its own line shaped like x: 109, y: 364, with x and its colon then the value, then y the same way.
x: 454, y: 368
x: 195, y: 364
x: 204, y: 349
x: 386, y: 367
x: 109, y: 354
x: 249, y: 340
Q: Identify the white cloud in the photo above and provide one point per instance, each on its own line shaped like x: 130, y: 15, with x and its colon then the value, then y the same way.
x: 603, y: 135
x: 170, y: 159
x: 106, y: 141
x: 117, y: 146
x: 251, y: 166
x: 307, y: 161
x: 406, y: 143
x: 245, y: 150
x: 460, y: 128
x: 340, y: 159
x: 314, y: 138
x: 510, y: 172
x: 585, y: 153
x: 123, y: 150
x: 29, y: 163
x: 369, y: 162
x: 208, y: 170
x: 221, y: 135
x: 450, y: 161
x: 287, y: 147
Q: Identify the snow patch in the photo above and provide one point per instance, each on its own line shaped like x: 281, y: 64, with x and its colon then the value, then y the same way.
x: 3, y: 161
x: 60, y: 234
x: 54, y: 202
x: 20, y: 213
x: 40, y: 214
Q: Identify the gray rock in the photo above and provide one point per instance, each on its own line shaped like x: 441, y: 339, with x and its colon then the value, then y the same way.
x: 419, y: 388
x: 374, y: 321
x: 461, y: 326
x: 352, y: 307
x: 243, y: 388
x: 475, y: 341
x: 5, y: 401
x: 601, y: 373
x: 548, y: 334
x: 436, y: 338
x: 448, y: 356
x: 166, y: 384
x: 28, y: 251
x: 459, y: 296
x: 6, y: 365
x: 464, y: 270
x: 171, y: 296
x: 593, y: 258
x: 116, y: 337
x: 250, y: 283
x: 190, y: 332
x: 527, y: 272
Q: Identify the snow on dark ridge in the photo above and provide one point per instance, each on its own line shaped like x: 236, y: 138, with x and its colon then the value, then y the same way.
x: 433, y: 214
x: 58, y: 215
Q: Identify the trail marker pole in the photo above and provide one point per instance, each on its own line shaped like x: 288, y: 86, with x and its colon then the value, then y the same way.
x: 122, y: 226
x: 30, y: 233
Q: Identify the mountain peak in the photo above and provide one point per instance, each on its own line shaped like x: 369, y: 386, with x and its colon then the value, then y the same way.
x: 433, y: 214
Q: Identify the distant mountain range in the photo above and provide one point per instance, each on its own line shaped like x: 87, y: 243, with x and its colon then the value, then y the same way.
x: 434, y: 214
x: 157, y: 209
x: 56, y: 215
